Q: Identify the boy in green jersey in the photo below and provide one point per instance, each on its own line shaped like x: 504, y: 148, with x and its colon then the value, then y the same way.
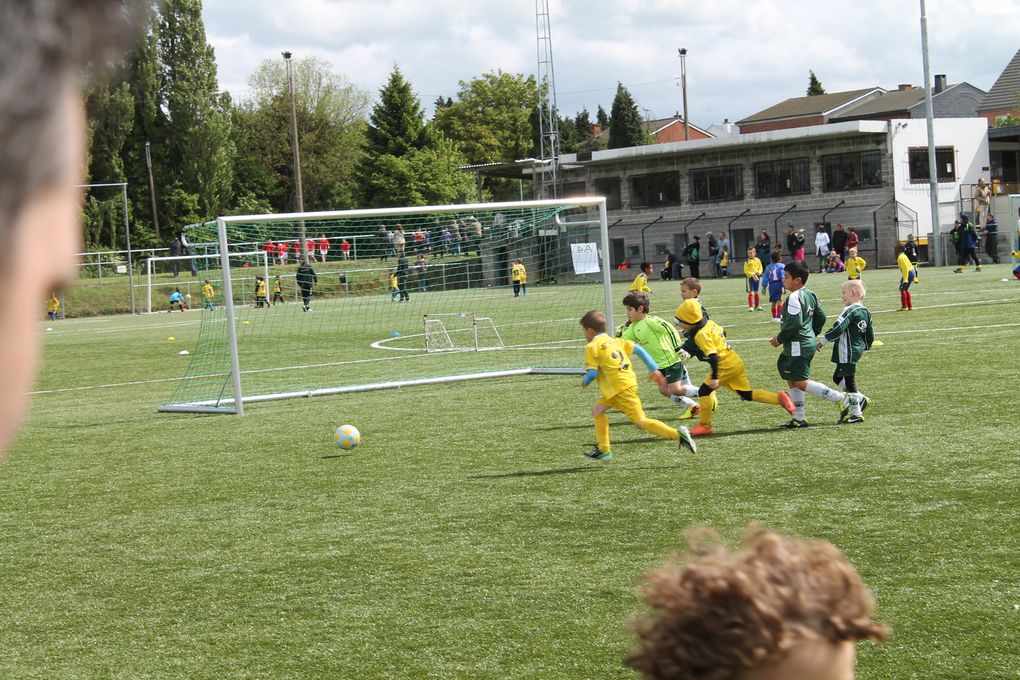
x: 662, y: 341
x: 802, y: 320
x: 851, y: 335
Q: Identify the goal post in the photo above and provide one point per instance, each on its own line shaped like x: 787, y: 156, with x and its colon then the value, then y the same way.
x: 371, y: 319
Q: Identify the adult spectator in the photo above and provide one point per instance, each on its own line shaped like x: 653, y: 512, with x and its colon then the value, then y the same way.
x: 175, y: 251
x: 384, y: 242
x: 306, y: 280
x: 187, y: 251
x: 791, y: 241
x: 399, y: 240
x: 402, y: 273
x: 323, y: 244
x: 982, y: 201
x: 966, y: 244
x: 839, y: 241
x: 456, y: 234
x: 713, y: 253
x: 421, y: 266
x: 345, y: 249
x: 44, y: 48
x: 762, y: 247
x: 669, y: 267
x: 992, y: 238
x: 821, y: 246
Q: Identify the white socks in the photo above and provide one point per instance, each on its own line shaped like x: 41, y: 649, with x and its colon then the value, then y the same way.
x: 797, y: 395
x: 817, y: 389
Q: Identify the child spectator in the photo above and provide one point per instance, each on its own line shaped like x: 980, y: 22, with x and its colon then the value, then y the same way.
x: 726, y: 367
x: 345, y: 249
x: 640, y: 282
x: 52, y: 306
x: 277, y: 290
x: 910, y: 248
x: 394, y: 286
x: 207, y: 295
x: 852, y: 239
x: 519, y: 277
x: 835, y: 264
x: 420, y: 268
x: 798, y: 240
x: 446, y: 239
x: 854, y: 265
x: 176, y: 299
x: 821, y: 246
x: 324, y: 247
x: 752, y: 272
x: 852, y: 335
x: 776, y: 609
x: 907, y: 276
x: 803, y: 318
x: 281, y: 250
x: 663, y: 343
x: 724, y: 262
x: 607, y: 361
x: 310, y: 246
x: 261, y: 299
x: 774, y: 278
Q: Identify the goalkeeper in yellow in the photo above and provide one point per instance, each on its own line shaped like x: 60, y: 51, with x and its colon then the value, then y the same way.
x: 519, y: 277
x: 607, y: 361
x: 727, y: 367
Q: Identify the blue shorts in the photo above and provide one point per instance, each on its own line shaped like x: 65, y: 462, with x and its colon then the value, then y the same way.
x: 752, y: 285
x: 775, y: 291
x: 905, y: 285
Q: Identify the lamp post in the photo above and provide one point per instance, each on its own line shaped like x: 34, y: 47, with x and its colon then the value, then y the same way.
x: 299, y: 198
x: 683, y: 87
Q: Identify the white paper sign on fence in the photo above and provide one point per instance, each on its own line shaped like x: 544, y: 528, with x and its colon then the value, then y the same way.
x: 586, y: 258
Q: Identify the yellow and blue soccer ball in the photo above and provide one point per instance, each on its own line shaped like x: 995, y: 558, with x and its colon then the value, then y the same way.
x: 347, y: 436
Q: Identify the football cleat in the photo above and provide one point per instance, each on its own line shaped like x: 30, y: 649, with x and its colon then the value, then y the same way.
x: 855, y: 419
x: 686, y: 441
x: 599, y: 455
x: 794, y: 424
x: 787, y: 403
x: 700, y: 430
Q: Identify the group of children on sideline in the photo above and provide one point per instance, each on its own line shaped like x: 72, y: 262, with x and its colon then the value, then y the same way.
x: 663, y: 349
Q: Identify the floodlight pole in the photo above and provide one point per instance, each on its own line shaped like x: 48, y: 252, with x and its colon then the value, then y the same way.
x: 152, y: 190
x: 683, y: 86
x: 933, y: 186
x: 299, y: 198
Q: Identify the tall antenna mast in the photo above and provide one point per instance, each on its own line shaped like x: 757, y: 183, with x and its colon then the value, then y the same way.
x: 548, y: 117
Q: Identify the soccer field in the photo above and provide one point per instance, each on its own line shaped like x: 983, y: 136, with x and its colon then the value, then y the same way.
x: 467, y: 536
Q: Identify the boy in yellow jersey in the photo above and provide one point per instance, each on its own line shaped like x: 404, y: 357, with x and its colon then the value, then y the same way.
x: 519, y: 277
x: 52, y: 305
x: 607, y: 361
x: 394, y: 286
x: 908, y: 273
x: 854, y: 265
x: 753, y: 272
x: 208, y: 294
x: 277, y: 290
x: 640, y: 283
x: 260, y: 292
x: 727, y: 368
x: 724, y: 263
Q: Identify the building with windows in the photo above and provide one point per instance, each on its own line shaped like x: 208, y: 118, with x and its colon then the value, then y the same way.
x: 871, y: 175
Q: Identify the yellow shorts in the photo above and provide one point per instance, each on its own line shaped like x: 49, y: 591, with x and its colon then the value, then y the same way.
x: 735, y: 377
x: 626, y: 402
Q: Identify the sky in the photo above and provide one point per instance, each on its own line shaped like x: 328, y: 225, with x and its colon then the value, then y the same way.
x: 743, y: 55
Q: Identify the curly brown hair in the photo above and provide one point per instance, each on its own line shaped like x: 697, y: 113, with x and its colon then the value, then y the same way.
x: 716, y: 613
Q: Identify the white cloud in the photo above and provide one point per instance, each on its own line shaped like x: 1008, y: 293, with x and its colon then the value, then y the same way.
x: 743, y: 55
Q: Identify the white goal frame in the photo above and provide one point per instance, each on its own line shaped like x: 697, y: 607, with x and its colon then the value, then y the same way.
x: 235, y: 404
x: 452, y: 346
x: 182, y: 258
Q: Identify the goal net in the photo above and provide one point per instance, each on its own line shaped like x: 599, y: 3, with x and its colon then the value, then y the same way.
x: 393, y: 297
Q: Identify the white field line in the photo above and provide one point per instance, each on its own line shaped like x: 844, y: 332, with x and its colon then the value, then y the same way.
x: 381, y: 359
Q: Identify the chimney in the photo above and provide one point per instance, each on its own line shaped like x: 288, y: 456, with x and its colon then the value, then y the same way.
x: 903, y: 87
x: 940, y: 82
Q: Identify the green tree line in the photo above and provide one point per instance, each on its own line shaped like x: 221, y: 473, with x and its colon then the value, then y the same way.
x: 212, y: 156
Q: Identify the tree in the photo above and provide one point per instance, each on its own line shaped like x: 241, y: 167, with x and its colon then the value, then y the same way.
x: 625, y: 127
x: 110, y: 114
x: 403, y: 161
x: 331, y: 127
x: 602, y: 118
x: 195, y: 118
x: 584, y: 131
x: 814, y: 85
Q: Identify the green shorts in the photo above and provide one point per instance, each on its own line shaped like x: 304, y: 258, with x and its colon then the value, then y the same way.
x: 676, y: 373
x: 794, y: 368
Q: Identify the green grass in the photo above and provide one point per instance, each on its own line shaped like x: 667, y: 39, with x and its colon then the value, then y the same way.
x: 467, y: 536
